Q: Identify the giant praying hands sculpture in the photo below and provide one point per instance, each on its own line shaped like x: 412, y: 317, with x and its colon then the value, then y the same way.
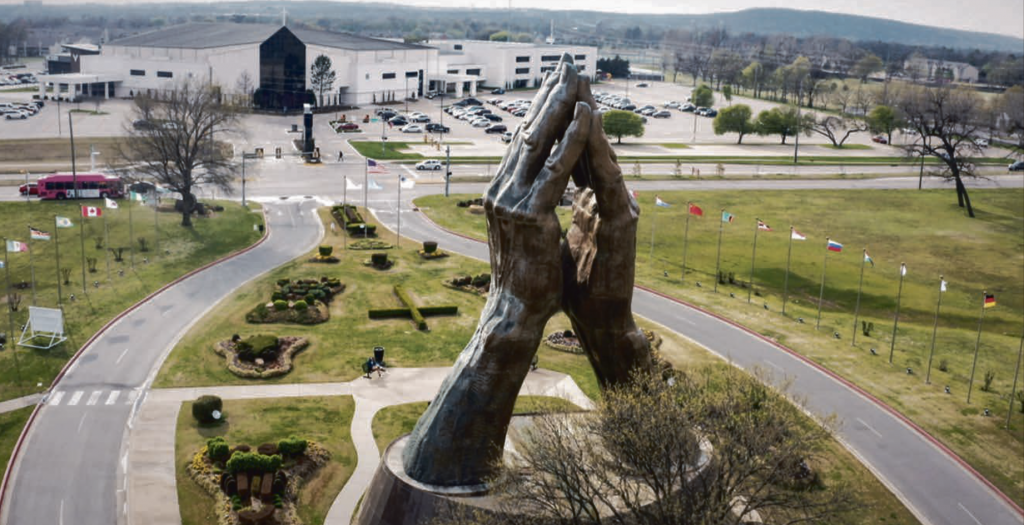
x: 535, y: 271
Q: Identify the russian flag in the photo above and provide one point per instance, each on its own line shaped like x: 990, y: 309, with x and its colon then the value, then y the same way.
x: 834, y: 246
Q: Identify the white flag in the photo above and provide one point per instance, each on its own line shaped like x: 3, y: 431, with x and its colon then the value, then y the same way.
x: 408, y: 184
x: 374, y: 186
x: 797, y: 235
x: 942, y: 286
x: 111, y: 204
x: 903, y: 269
x: 351, y: 185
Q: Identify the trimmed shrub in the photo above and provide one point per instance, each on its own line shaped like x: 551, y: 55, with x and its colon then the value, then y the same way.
x: 310, y: 298
x: 203, y: 408
x: 283, y: 282
x: 388, y: 313
x: 277, y: 296
x: 482, y: 280
x: 379, y: 259
x: 280, y: 305
x: 301, y: 306
x: 429, y: 246
x: 439, y: 310
x: 253, y: 462
x: 217, y: 449
x: 292, y: 446
x: 325, y: 251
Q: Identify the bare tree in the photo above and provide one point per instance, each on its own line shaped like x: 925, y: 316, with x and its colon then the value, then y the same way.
x: 322, y: 76
x: 947, y: 123
x: 717, y: 447
x: 246, y: 86
x: 835, y: 129
x: 177, y: 148
x: 1010, y: 115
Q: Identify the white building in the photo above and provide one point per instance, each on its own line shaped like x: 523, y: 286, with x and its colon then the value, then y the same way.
x: 502, y: 64
x: 271, y: 62
x: 940, y: 70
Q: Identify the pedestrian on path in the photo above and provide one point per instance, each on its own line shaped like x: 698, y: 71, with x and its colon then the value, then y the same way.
x: 341, y: 155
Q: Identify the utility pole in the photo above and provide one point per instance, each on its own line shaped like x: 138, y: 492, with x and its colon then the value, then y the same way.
x: 447, y: 168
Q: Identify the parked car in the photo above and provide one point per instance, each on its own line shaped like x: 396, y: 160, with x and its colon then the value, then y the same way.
x: 628, y: 107
x: 420, y: 118
x: 14, y: 114
x: 519, y: 113
x: 642, y: 85
x: 711, y: 112
x: 506, y: 137
x: 480, y: 123
x: 29, y: 189
x: 430, y: 95
x: 497, y: 91
x: 412, y: 128
x: 880, y: 139
x: 662, y: 114
x: 687, y: 106
x: 387, y: 114
x: 434, y: 127
x: 492, y: 117
x: 496, y: 128
x: 469, y: 102
x: 982, y: 143
x: 398, y: 121
x: 432, y: 165
x: 1017, y: 166
x: 348, y: 126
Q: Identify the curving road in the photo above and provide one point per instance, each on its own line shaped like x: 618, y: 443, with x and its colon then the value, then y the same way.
x: 69, y: 469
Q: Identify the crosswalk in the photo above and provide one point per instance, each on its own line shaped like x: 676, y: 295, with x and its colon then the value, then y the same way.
x: 70, y: 398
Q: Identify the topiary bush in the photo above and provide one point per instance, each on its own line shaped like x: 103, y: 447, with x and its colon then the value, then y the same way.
x: 283, y: 282
x: 203, y: 408
x: 217, y: 449
x: 280, y: 305
x: 429, y: 246
x: 325, y: 251
x: 310, y: 297
x: 292, y: 446
x: 253, y: 462
x: 482, y: 280
x: 379, y: 259
x: 301, y: 306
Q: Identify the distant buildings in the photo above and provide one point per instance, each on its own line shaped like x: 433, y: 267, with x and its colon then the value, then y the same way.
x: 919, y: 67
x: 505, y: 64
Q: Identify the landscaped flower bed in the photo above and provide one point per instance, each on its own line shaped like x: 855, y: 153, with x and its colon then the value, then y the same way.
x: 256, y: 487
x: 303, y: 301
x: 480, y: 285
x: 566, y: 341
x: 260, y: 356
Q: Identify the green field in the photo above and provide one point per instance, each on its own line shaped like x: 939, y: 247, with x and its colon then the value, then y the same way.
x: 11, y: 424
x: 326, y: 420
x: 180, y: 250
x: 925, y: 229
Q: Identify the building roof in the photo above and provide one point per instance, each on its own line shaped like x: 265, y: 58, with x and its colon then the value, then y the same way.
x: 206, y: 35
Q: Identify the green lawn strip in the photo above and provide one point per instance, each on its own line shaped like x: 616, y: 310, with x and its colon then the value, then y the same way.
x: 391, y: 150
x: 847, y: 146
x: 923, y: 228
x: 674, y: 145
x: 11, y: 424
x: 181, y: 250
x: 53, y: 149
x: 395, y: 421
x: 339, y: 347
x: 326, y: 420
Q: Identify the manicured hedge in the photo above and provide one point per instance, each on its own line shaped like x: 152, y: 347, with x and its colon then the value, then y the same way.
x: 414, y: 312
x: 440, y: 310
x: 292, y: 446
x: 253, y: 462
x: 202, y: 408
x: 388, y: 313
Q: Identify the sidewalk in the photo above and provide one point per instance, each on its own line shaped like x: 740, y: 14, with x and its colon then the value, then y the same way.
x: 21, y: 402
x: 152, y: 496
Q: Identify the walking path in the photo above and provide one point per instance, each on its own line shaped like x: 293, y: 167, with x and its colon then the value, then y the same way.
x: 14, y: 404
x: 150, y: 466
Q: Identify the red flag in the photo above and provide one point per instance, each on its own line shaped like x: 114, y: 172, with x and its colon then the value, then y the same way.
x: 695, y: 210
x: 91, y: 211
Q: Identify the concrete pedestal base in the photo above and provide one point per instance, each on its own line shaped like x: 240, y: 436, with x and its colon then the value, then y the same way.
x: 393, y: 498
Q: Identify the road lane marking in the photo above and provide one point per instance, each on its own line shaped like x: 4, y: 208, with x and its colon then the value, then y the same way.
x: 61, y: 518
x: 869, y: 427
x: 775, y: 366
x: 81, y: 422
x: 963, y: 508
x: 120, y: 357
x: 94, y: 397
x: 75, y: 398
x: 112, y: 398
x: 57, y: 396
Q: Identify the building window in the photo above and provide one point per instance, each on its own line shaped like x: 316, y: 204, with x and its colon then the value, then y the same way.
x: 473, y: 72
x: 523, y: 71
x: 138, y: 72
x: 580, y: 57
x: 458, y: 47
x: 387, y: 76
x: 453, y: 71
x: 581, y: 68
x: 545, y: 69
x: 522, y: 59
x: 411, y: 74
x: 550, y: 58
x: 165, y: 74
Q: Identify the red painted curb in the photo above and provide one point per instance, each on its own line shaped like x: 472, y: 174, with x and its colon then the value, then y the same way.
x: 104, y: 328
x: 938, y: 444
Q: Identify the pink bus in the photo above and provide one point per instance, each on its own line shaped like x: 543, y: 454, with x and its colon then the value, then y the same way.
x: 62, y: 186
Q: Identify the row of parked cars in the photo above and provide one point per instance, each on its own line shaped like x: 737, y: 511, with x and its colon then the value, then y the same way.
x: 20, y: 110
x: 17, y: 79
x: 473, y: 112
x: 689, y: 107
x: 621, y: 102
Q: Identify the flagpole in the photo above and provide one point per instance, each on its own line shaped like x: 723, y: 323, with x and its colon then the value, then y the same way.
x: 131, y: 233
x: 821, y: 293
x: 31, y: 265
x: 860, y: 288
x: 156, y: 223
x: 896, y: 322
x: 398, y: 234
x: 789, y: 256
x: 83, y: 253
x: 977, y: 344
x: 1016, y: 374
x: 654, y: 216
x: 106, y: 244
x: 686, y: 236
x: 10, y: 315
x: 718, y: 258
x: 935, y: 329
x: 56, y: 247
x: 344, y: 227
x: 753, y: 257
x: 366, y: 186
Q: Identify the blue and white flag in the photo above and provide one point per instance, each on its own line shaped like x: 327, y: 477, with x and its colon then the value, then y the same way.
x: 659, y: 202
x: 374, y: 186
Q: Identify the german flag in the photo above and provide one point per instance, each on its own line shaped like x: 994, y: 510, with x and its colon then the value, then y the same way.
x: 990, y: 300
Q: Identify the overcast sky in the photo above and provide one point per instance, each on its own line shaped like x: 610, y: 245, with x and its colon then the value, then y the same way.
x: 990, y: 16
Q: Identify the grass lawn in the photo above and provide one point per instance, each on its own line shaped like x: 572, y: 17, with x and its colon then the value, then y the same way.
x: 395, y: 421
x: 11, y: 424
x: 181, y: 250
x: 391, y: 150
x: 326, y: 420
x: 986, y: 253
x: 57, y: 149
x: 674, y: 145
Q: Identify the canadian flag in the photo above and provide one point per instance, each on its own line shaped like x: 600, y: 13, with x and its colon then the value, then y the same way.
x: 91, y: 211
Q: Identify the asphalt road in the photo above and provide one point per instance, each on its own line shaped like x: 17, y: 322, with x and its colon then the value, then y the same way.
x: 69, y: 470
x: 933, y: 485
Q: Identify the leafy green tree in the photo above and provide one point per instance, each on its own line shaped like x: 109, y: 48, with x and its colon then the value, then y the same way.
x: 778, y: 121
x: 321, y: 76
x: 618, y: 124
x: 703, y: 97
x: 882, y: 119
x: 734, y: 119
x: 867, y: 65
x: 617, y: 67
x: 727, y: 93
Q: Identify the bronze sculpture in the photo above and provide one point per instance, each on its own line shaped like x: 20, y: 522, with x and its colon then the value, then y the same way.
x: 535, y: 271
